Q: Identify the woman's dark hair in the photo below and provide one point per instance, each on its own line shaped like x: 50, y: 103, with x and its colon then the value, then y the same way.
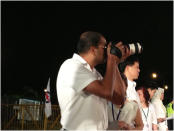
x: 145, y: 94
x: 150, y: 84
x: 88, y: 39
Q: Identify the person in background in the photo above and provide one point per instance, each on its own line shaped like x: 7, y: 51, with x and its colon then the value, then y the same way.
x: 82, y: 91
x: 160, y: 109
x: 147, y: 110
x: 128, y: 113
x: 151, y: 88
x: 170, y: 113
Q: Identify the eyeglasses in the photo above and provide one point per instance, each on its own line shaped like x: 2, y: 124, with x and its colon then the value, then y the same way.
x: 104, y: 47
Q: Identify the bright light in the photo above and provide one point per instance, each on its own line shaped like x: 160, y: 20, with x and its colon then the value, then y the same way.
x: 45, y: 90
x: 154, y: 75
x: 165, y: 87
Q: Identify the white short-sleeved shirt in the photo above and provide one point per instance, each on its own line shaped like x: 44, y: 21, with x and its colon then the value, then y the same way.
x: 148, y: 117
x: 80, y: 110
x: 131, y: 93
x: 129, y: 110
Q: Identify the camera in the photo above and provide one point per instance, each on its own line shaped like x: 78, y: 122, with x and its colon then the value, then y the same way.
x: 135, y: 48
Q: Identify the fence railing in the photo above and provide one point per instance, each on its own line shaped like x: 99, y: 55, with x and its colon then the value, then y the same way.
x: 29, y: 117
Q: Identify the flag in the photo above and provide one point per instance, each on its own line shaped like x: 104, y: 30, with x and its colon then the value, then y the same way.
x: 47, y: 100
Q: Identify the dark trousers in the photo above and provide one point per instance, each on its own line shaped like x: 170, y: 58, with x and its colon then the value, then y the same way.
x: 170, y: 124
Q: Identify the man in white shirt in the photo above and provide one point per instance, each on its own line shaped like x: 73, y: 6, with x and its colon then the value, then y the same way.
x: 130, y: 112
x: 81, y: 90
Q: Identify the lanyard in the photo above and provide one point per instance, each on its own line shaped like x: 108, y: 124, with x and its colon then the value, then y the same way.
x: 118, y: 112
x: 145, y: 114
x: 113, y: 112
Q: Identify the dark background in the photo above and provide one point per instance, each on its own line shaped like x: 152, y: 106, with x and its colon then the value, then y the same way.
x: 38, y: 36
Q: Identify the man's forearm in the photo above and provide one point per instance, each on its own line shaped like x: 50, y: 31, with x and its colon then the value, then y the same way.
x: 118, y: 88
x: 114, y: 83
x: 109, y: 76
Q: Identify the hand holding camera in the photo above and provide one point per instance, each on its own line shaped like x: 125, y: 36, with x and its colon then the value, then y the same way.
x: 122, y: 51
x: 118, y: 50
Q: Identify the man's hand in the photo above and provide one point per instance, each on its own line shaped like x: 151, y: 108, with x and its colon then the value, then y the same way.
x: 111, y: 56
x: 124, y: 50
x: 123, y: 126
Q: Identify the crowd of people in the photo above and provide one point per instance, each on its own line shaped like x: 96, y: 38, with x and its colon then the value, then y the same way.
x: 90, y: 101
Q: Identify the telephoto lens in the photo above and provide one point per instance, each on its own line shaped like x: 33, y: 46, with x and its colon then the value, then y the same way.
x: 135, y: 48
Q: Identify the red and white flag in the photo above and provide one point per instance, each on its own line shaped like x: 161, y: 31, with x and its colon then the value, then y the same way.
x: 47, y: 100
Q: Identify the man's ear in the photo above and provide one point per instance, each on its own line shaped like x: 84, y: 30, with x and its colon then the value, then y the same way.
x: 126, y: 68
x: 93, y: 50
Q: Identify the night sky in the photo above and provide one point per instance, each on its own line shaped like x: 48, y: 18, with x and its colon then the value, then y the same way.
x: 38, y: 36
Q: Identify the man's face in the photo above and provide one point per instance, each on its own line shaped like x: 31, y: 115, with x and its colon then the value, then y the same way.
x: 151, y: 92
x: 100, y: 52
x: 133, y: 70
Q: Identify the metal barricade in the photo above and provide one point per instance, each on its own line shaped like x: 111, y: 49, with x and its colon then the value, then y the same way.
x: 29, y: 117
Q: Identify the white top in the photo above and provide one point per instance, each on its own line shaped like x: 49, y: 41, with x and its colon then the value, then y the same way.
x: 160, y: 111
x: 148, y: 117
x: 80, y: 110
x: 129, y: 110
x: 131, y: 93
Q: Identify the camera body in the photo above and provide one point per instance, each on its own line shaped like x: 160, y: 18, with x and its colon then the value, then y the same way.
x: 135, y: 48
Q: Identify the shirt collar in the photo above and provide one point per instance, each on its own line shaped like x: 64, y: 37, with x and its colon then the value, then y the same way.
x: 81, y: 60
x: 131, y: 83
